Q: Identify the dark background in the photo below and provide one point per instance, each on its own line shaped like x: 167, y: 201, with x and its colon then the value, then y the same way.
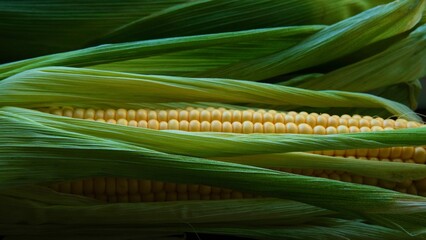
x: 422, y: 101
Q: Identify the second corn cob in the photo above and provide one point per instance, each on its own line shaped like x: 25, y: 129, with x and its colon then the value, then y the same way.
x: 111, y: 189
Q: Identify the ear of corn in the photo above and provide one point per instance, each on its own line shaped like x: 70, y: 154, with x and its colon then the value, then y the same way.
x: 63, y: 86
x: 394, y: 174
x: 75, y: 142
x: 213, y: 144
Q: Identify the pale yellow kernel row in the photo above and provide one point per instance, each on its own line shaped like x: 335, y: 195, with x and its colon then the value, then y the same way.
x: 114, y: 190
x: 407, y: 154
x: 224, y: 115
x: 167, y: 196
x: 245, y: 127
x: 129, y: 190
x: 326, y: 124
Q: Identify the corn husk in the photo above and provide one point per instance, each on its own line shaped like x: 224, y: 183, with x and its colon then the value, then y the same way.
x: 392, y: 171
x: 212, y: 16
x: 378, y: 71
x: 84, y: 211
x: 328, y: 44
x: 406, y: 93
x: 329, y: 228
x: 333, y: 42
x: 177, y: 56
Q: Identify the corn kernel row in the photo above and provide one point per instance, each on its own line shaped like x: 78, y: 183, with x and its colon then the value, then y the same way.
x: 290, y: 122
x: 224, y: 115
x: 114, y: 189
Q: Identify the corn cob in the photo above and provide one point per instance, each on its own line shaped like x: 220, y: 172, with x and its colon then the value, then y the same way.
x: 261, y: 121
x: 112, y: 189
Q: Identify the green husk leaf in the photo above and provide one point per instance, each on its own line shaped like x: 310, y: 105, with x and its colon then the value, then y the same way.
x: 29, y: 25
x: 392, y: 171
x: 324, y: 228
x: 183, y: 56
x: 202, y: 17
x: 59, y: 86
x: 39, y: 205
x: 406, y: 93
x: 424, y: 17
x: 198, y: 60
x: 335, y: 41
x: 191, y: 54
x: 400, y: 63
x: 33, y: 151
x: 92, y: 232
